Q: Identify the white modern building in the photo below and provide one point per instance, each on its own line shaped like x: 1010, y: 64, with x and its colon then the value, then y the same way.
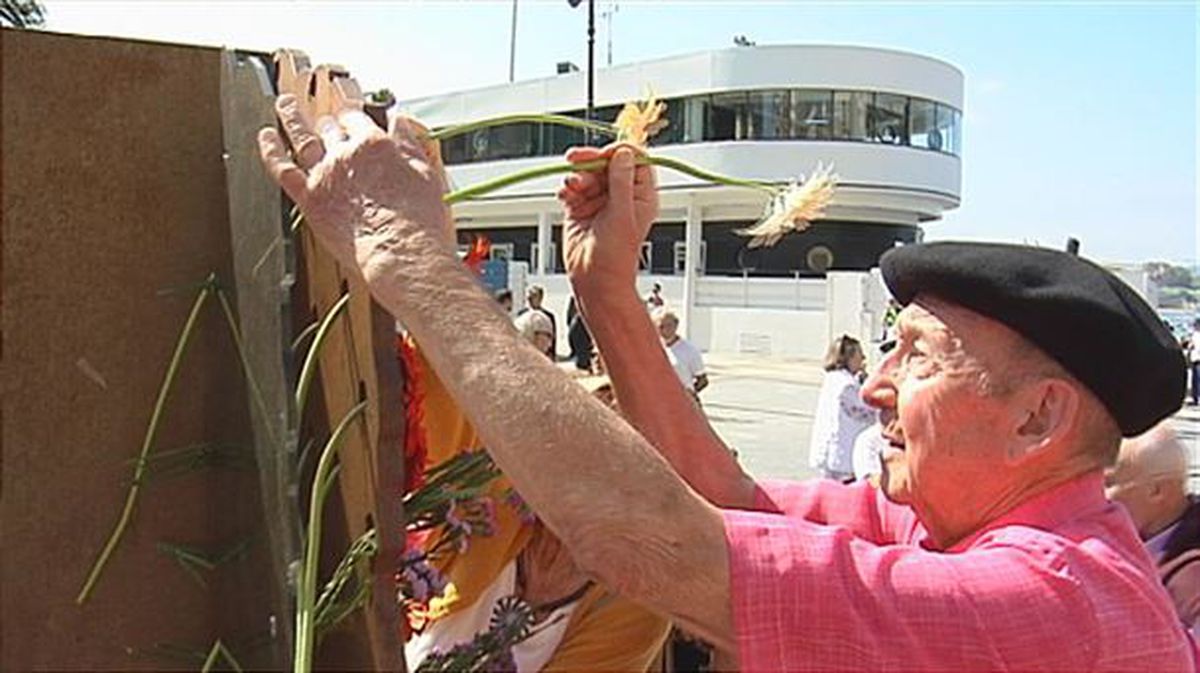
x: 889, y: 122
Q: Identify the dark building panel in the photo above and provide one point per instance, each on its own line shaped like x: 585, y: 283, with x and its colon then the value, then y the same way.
x: 826, y: 246
x: 833, y: 246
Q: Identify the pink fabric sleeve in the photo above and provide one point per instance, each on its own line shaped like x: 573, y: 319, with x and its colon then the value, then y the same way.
x: 859, y: 508
x: 808, y: 597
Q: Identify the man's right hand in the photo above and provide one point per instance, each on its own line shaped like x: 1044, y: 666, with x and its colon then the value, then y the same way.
x: 608, y: 215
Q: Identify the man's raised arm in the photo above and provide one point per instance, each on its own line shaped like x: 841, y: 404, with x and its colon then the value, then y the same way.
x: 374, y: 202
x: 608, y: 217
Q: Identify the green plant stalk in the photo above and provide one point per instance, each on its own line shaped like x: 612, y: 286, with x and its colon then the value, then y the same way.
x: 310, y: 360
x: 306, y: 593
x: 329, y: 610
x: 304, y: 335
x: 219, y: 650
x: 148, y: 442
x: 557, y: 120
x: 486, y: 187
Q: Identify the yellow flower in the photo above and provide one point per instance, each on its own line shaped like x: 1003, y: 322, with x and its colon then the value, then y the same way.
x: 638, y: 122
x: 794, y: 208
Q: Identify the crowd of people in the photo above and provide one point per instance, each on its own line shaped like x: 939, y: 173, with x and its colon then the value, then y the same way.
x: 986, y: 542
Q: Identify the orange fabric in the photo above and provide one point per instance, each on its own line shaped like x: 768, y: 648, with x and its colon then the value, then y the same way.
x: 609, y: 633
x: 448, y: 433
x: 605, y: 632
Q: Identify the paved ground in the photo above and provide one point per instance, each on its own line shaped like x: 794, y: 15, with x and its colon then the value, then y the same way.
x: 763, y: 407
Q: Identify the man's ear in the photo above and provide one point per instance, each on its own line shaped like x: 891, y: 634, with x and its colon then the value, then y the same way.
x: 1046, y: 410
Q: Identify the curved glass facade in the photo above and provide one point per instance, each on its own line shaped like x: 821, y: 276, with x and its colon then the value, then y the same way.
x: 769, y: 114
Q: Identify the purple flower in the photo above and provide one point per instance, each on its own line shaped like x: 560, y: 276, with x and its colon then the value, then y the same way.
x: 500, y: 662
x: 514, y: 500
x: 418, y: 580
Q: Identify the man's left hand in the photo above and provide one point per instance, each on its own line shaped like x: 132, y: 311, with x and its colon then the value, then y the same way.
x: 367, y: 195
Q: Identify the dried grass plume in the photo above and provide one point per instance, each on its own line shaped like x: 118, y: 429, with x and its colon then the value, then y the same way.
x: 794, y: 208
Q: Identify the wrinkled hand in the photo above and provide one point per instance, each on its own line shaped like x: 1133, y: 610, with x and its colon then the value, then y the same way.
x: 366, y: 195
x: 608, y: 215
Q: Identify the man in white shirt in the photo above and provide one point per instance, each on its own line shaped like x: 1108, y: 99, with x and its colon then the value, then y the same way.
x: 1194, y: 350
x: 684, y: 357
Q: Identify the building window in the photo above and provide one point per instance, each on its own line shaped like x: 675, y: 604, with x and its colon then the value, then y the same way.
x: 534, y: 248
x: 646, y: 258
x: 556, y: 139
x: 726, y: 117
x: 922, y: 124
x: 502, y: 251
x: 948, y: 128
x: 819, y: 258
x: 770, y: 114
x: 680, y: 261
x: 889, y: 119
x: 812, y: 114
x: 676, y: 116
x: 801, y: 114
x: 850, y: 115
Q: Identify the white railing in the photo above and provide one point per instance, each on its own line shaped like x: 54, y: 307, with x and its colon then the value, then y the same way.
x: 801, y: 294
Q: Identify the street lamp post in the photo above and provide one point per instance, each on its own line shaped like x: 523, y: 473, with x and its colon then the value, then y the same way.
x: 591, y: 64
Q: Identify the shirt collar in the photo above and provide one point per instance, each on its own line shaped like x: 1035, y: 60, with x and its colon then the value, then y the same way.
x: 1047, y: 510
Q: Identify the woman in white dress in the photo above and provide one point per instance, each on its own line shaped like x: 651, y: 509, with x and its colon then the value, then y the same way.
x: 841, y: 413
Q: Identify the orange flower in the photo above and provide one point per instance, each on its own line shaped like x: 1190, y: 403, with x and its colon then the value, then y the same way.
x: 638, y: 122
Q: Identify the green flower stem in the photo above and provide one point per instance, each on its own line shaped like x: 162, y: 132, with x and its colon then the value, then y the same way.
x: 139, y: 470
x: 503, y: 181
x: 467, y: 193
x: 557, y: 120
x: 219, y: 650
x: 708, y: 176
x: 310, y: 360
x: 306, y: 592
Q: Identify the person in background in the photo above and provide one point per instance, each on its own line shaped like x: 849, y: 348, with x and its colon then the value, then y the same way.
x: 578, y: 337
x: 1150, y: 480
x: 684, y: 357
x: 867, y: 454
x: 534, y: 297
x: 841, y: 412
x: 536, y: 328
x: 1194, y: 357
x: 654, y: 299
x: 505, y: 299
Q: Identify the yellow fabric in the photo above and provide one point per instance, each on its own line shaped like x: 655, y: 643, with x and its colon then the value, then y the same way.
x: 448, y: 433
x: 609, y: 633
x: 605, y: 632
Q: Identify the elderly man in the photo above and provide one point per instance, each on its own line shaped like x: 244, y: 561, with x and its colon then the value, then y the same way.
x: 994, y: 548
x: 1150, y: 479
x: 683, y: 356
x: 534, y: 296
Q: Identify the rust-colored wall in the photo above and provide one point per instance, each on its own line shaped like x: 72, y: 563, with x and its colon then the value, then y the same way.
x: 114, y: 190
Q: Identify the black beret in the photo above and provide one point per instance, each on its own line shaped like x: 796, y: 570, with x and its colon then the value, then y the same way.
x: 1081, y: 315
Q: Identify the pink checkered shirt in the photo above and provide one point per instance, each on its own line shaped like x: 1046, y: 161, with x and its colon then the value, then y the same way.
x: 828, y: 577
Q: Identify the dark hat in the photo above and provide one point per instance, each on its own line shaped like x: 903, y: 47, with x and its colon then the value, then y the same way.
x: 1081, y: 315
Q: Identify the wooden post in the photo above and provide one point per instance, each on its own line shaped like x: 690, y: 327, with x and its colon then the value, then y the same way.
x: 358, y: 362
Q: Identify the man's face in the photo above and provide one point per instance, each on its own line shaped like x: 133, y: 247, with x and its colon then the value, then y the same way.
x: 534, y: 299
x: 946, y: 432
x: 667, y: 327
x: 543, y: 341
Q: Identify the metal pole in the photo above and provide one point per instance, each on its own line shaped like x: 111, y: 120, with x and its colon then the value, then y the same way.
x: 512, y: 46
x: 591, y: 74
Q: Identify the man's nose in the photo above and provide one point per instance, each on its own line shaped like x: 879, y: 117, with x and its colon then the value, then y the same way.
x: 879, y: 390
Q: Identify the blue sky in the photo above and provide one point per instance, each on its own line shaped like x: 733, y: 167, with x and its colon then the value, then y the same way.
x: 1080, y: 119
